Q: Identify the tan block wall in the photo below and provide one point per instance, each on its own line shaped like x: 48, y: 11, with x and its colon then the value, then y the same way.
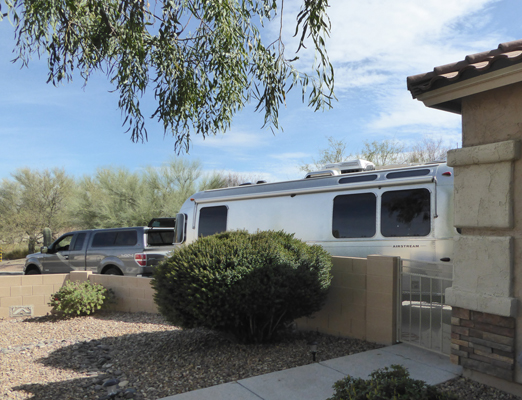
x: 362, y: 301
x: 133, y: 294
x: 28, y: 290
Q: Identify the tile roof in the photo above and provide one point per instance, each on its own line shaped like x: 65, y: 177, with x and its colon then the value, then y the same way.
x: 505, y: 55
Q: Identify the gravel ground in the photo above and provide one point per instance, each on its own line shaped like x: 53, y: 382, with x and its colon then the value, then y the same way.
x: 43, y: 359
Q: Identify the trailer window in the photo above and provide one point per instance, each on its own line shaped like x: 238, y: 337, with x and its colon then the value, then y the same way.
x: 408, y: 174
x: 356, y: 179
x: 180, y: 228
x: 212, y: 220
x: 354, y: 216
x: 405, y: 213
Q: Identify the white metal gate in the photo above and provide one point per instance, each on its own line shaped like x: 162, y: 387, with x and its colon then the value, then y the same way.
x: 424, y: 317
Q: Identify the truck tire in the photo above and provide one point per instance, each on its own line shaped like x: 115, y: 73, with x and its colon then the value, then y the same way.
x: 112, y: 271
x: 32, y: 271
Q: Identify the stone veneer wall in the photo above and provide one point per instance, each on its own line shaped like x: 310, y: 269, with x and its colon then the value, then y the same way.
x: 483, y: 342
x: 488, y: 254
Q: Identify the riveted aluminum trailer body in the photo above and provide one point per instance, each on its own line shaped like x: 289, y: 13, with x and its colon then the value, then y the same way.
x: 406, y: 212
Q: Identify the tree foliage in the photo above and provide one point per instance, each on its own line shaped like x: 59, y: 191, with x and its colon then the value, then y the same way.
x: 202, y: 60
x: 428, y: 150
x: 32, y: 201
x: 385, y: 152
x: 334, y: 153
x: 115, y: 197
x: 236, y: 179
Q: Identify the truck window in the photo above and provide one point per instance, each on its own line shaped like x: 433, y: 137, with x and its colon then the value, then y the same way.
x: 354, y: 216
x: 78, y: 244
x: 104, y: 239
x: 115, y: 238
x: 405, y: 213
x: 126, y: 238
x: 160, y: 237
x: 62, y: 244
x: 212, y: 220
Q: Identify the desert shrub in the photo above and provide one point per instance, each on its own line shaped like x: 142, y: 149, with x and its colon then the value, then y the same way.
x: 387, y: 383
x: 14, y: 251
x: 246, y: 285
x: 80, y: 298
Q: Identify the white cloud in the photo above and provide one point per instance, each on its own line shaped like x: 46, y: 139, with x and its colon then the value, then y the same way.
x: 234, y: 140
x: 289, y: 156
x: 376, y: 44
x: 378, y: 31
x: 398, y: 109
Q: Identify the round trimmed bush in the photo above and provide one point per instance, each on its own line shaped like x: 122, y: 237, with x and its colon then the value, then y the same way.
x: 387, y: 383
x: 246, y: 285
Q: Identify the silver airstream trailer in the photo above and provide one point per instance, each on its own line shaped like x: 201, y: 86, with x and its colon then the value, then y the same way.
x: 349, y: 208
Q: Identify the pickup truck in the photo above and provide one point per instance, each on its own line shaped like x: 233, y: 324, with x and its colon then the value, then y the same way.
x: 117, y: 251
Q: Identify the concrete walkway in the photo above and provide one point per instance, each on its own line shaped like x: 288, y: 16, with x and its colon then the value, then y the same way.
x: 315, y: 381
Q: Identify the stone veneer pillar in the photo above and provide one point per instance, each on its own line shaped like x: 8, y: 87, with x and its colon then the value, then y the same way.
x: 488, y: 254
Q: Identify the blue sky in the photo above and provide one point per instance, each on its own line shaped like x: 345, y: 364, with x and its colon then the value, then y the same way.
x: 374, y: 46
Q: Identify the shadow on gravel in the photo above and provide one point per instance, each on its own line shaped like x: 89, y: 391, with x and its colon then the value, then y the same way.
x: 73, y: 389
x: 107, y: 315
x: 160, y: 364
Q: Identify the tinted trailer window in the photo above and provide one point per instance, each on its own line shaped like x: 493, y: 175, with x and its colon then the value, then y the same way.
x: 405, y: 213
x: 354, y: 216
x: 212, y: 220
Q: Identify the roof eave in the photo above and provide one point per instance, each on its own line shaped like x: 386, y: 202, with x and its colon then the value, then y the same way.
x: 448, y: 98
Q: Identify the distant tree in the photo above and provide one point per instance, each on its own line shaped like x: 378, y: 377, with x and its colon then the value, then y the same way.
x: 334, y: 153
x: 236, y: 179
x: 115, y: 197
x: 32, y: 201
x: 171, y: 184
x: 428, y: 150
x: 112, y: 198
x: 381, y: 153
x: 203, y: 60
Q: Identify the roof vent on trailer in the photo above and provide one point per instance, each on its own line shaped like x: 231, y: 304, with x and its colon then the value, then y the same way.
x: 344, y: 167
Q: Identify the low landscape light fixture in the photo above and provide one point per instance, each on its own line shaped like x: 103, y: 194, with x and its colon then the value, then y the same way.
x: 313, y: 349
x: 112, y: 387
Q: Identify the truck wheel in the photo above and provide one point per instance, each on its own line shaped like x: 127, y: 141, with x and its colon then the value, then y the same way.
x: 113, y: 271
x: 32, y: 271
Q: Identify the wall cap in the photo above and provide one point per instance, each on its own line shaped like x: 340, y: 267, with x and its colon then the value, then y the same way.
x: 508, y: 150
x: 503, y: 306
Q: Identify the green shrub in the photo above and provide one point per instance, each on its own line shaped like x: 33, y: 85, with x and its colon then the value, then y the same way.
x: 246, y: 285
x: 80, y: 298
x: 14, y: 251
x: 387, y: 383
